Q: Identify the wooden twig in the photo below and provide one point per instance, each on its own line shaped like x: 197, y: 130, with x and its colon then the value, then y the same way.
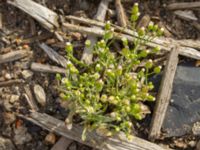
x: 11, y: 82
x: 164, y: 94
x: 101, y: 13
x: 183, y: 5
x: 12, y: 56
x: 186, y: 15
x: 121, y: 16
x: 43, y: 15
x: 54, y: 125
x: 62, y: 144
x: 165, y: 43
x: 47, y: 68
x: 54, y: 55
x: 30, y: 99
x: 1, y: 21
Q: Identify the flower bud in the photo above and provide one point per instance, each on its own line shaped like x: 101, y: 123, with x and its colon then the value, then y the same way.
x: 149, y: 64
x: 141, y: 31
x: 98, y: 67
x: 125, y: 41
x: 104, y: 98
x: 150, y: 26
x: 135, y: 8
x: 156, y: 49
x: 69, y: 47
x: 157, y: 69
x: 87, y: 43
x: 107, y: 25
x: 160, y: 31
x: 119, y: 71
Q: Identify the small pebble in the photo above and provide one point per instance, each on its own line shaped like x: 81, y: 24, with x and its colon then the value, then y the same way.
x: 27, y: 74
x: 7, y: 76
x: 13, y: 98
x: 50, y: 138
x: 9, y: 117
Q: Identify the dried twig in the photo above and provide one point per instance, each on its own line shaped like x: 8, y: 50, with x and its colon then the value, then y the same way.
x: 121, y: 16
x: 1, y: 21
x: 11, y: 82
x: 54, y: 125
x: 42, y: 14
x: 14, y: 55
x: 183, y: 5
x: 62, y: 144
x: 47, y: 68
x: 164, y: 94
x: 30, y: 99
x: 54, y: 55
x: 101, y: 13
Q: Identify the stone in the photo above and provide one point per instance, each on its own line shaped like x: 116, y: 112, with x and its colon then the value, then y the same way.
x: 13, y: 98
x: 6, y: 144
x: 183, y: 110
x: 21, y: 135
x: 40, y: 95
x: 9, y: 117
x: 50, y: 138
x: 27, y: 74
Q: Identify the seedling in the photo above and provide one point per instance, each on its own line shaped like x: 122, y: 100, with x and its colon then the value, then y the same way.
x: 108, y: 95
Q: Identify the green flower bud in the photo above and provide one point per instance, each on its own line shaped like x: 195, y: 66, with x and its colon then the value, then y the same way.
x: 151, y: 98
x: 134, y: 17
x: 119, y: 71
x: 98, y: 67
x: 99, y: 85
x: 117, y: 129
x: 104, y: 98
x: 157, y: 69
x: 138, y: 116
x: 160, y: 31
x: 156, y: 49
x: 107, y: 25
x: 149, y: 64
x: 150, y: 26
x: 102, y: 44
x: 126, y: 52
x: 155, y: 28
x: 150, y: 85
x: 69, y: 65
x: 58, y: 77
x: 66, y: 82
x: 96, y: 76
x: 87, y: 102
x: 135, y: 108
x: 108, y: 35
x: 64, y: 96
x: 112, y: 100
x: 87, y: 43
x: 110, y: 73
x: 74, y: 70
x: 141, y: 31
x: 135, y: 8
x: 133, y: 98
x: 143, y: 53
x: 69, y: 47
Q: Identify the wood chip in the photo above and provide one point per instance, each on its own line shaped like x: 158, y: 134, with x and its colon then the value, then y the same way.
x: 52, y: 124
x: 164, y: 94
x: 50, y: 138
x: 40, y: 94
x: 187, y: 15
x: 62, y: 144
x: 54, y: 55
x: 47, y: 68
x: 30, y: 99
x: 183, y: 5
x: 121, y: 15
x: 11, y: 82
x: 43, y: 15
x: 1, y: 21
x: 13, y: 56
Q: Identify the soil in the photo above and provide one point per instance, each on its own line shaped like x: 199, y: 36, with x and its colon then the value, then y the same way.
x: 20, y: 31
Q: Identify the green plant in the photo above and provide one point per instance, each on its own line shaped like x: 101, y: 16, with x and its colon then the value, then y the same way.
x: 108, y: 94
